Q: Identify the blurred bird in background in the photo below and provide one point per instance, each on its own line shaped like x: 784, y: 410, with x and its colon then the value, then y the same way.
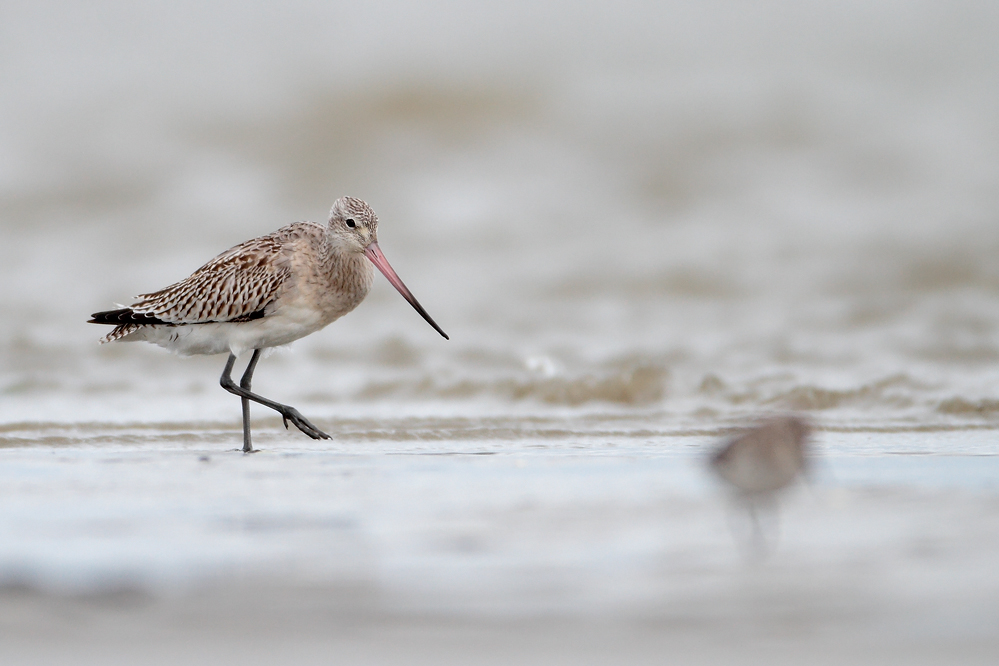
x: 760, y: 462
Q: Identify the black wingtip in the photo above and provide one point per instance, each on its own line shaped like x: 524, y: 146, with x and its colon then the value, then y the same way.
x: 122, y: 316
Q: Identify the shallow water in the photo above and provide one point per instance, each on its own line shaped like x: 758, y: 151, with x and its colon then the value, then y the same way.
x: 642, y: 227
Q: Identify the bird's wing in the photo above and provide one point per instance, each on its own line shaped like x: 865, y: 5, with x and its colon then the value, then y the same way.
x: 235, y: 286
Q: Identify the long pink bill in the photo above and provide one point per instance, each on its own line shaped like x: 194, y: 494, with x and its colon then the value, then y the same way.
x: 374, y: 253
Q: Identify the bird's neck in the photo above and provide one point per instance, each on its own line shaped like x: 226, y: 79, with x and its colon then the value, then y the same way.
x: 347, y: 273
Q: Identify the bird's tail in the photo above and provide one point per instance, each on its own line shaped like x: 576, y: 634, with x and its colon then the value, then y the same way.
x: 125, y: 321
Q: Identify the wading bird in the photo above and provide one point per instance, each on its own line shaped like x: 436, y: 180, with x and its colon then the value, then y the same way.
x: 264, y: 293
x: 760, y: 462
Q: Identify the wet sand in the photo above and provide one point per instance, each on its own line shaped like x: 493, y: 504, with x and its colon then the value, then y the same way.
x: 260, y: 622
x: 614, y: 548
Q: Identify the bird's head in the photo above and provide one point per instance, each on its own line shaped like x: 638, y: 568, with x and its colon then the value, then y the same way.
x: 354, y: 224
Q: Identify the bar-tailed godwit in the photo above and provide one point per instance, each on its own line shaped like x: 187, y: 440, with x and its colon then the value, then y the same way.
x: 264, y: 293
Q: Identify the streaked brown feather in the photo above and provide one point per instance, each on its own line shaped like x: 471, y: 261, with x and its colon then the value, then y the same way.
x: 236, y: 285
x: 119, y: 332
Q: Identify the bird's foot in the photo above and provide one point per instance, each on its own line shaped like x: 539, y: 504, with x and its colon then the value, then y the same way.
x: 302, y: 423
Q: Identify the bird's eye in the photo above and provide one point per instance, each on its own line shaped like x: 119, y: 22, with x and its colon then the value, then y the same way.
x: 350, y: 223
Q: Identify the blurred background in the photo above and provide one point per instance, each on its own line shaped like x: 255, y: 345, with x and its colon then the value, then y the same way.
x: 641, y: 223
x: 734, y: 207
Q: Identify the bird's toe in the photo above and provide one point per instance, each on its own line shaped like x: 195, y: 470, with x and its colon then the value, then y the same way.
x: 303, y: 424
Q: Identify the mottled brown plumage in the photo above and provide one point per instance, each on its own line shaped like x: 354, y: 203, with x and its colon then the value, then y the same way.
x: 266, y: 292
x: 232, y: 287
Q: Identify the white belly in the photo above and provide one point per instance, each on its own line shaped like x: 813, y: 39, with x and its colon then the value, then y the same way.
x: 222, y: 338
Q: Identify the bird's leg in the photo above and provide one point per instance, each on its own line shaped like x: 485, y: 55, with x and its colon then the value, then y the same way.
x: 758, y: 540
x: 287, y: 412
x: 244, y: 383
